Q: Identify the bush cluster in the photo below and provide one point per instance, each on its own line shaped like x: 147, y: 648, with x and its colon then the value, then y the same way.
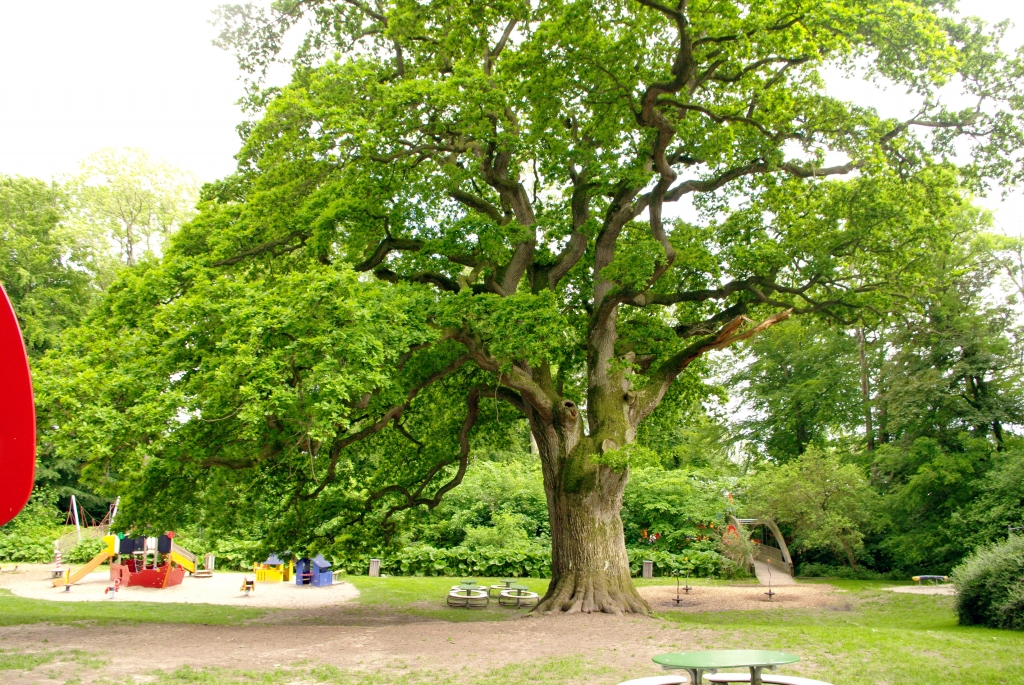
x: 521, y: 561
x: 990, y: 586
x: 700, y: 563
x: 29, y: 537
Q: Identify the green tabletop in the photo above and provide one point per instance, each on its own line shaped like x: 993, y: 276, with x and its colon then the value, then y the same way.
x: 517, y: 586
x: 725, y: 658
x: 714, y: 659
x: 508, y: 581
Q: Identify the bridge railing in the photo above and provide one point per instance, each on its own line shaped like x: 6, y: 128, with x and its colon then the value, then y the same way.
x: 771, y: 555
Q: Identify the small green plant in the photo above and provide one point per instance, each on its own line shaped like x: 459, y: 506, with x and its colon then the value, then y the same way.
x: 29, y: 537
x: 990, y: 586
x: 84, y: 551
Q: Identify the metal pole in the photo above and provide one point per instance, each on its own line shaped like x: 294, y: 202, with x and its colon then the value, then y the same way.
x: 113, y: 513
x: 74, y: 510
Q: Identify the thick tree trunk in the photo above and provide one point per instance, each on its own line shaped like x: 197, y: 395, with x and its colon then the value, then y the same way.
x: 590, y: 569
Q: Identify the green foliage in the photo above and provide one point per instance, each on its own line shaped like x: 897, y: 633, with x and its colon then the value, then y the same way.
x: 126, y: 196
x: 44, y: 267
x: 990, y: 586
x: 803, y: 383
x: 506, y: 494
x: 829, y: 504
x: 530, y: 559
x: 29, y: 537
x: 685, y: 507
x: 699, y: 563
x: 84, y: 551
x: 998, y: 501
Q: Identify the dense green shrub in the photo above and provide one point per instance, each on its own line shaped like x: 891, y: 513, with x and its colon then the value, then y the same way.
x: 525, y: 560
x: 232, y: 554
x: 29, y: 537
x: 990, y: 586
x: 84, y: 551
x: 507, y: 495
x: 682, y: 506
x: 700, y: 563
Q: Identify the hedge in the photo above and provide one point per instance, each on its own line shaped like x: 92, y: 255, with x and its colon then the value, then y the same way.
x: 990, y: 586
x: 532, y: 560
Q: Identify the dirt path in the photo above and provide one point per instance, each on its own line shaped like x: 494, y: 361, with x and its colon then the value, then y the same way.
x: 376, y: 642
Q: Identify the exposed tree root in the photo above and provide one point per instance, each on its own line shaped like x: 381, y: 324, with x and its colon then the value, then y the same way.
x: 574, y: 594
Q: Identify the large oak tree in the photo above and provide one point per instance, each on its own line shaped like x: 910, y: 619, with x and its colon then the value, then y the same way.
x: 456, y: 200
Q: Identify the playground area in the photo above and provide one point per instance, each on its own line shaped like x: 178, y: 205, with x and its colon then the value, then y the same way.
x: 34, y: 581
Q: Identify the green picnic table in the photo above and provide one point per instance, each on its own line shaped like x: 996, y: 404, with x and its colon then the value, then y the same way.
x: 468, y: 595
x: 695, y: 663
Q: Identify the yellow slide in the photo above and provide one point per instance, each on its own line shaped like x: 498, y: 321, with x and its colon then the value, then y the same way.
x: 72, y: 578
x: 183, y: 558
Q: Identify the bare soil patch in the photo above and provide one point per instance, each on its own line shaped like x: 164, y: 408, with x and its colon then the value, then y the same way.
x: 624, y: 644
x: 703, y: 598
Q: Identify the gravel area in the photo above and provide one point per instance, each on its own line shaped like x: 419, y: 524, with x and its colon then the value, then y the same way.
x: 223, y: 588
x: 740, y: 597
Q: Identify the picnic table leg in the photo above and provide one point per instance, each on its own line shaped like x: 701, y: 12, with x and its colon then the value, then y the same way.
x: 755, y: 675
x: 695, y: 674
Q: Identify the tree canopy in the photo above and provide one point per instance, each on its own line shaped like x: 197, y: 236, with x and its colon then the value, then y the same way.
x: 455, y: 201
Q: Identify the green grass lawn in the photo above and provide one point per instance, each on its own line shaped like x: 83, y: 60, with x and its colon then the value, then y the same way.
x: 18, y: 610
x: 425, y: 597
x: 880, y: 637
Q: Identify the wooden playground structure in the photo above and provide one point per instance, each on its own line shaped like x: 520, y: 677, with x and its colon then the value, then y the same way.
x: 776, y: 555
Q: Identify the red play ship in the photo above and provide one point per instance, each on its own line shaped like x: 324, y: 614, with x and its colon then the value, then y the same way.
x: 151, y: 562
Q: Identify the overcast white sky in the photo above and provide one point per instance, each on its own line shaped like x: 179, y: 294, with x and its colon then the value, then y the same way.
x: 80, y: 75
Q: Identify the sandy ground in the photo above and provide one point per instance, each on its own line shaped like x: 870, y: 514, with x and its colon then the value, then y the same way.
x: 925, y: 589
x: 222, y: 588
x: 742, y: 597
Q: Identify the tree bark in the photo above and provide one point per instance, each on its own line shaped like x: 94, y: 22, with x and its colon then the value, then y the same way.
x: 589, y: 566
x: 865, y: 391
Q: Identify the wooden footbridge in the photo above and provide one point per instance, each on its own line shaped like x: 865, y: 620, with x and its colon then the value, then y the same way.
x: 767, y: 560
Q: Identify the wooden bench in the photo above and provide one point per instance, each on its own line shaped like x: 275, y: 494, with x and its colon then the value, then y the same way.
x: 772, y: 678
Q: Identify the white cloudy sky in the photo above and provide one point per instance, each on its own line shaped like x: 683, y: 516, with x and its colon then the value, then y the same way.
x: 80, y: 75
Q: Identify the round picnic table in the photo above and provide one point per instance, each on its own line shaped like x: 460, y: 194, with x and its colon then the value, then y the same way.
x: 469, y: 593
x: 503, y: 584
x: 518, y: 592
x: 695, y: 663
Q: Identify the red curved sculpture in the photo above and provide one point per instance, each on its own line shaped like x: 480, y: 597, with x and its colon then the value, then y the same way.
x: 17, y: 417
